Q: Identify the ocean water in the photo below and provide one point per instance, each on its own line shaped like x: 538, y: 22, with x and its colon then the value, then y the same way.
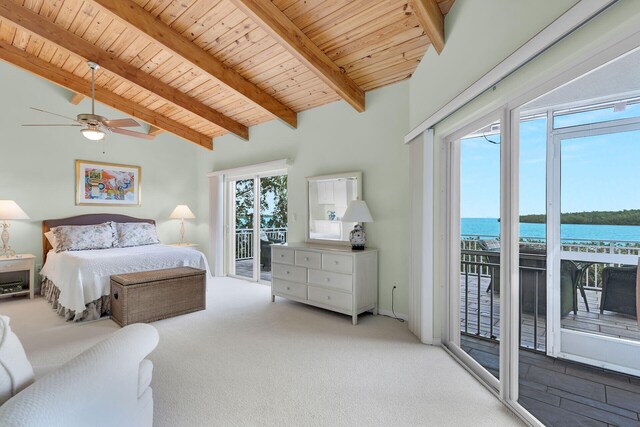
x: 491, y: 227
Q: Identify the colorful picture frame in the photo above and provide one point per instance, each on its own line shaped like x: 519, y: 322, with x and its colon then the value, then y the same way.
x: 103, y: 184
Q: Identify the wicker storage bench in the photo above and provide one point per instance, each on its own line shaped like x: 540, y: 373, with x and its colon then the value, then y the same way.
x: 148, y: 296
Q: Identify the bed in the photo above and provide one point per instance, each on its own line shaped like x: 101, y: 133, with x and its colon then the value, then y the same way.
x: 76, y: 283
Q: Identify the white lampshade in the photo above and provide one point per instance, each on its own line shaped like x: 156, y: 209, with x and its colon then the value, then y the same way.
x: 357, y: 212
x: 10, y: 210
x: 182, y: 212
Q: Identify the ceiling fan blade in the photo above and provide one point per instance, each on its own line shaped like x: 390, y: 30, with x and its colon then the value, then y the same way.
x: 132, y: 133
x: 54, y: 114
x: 51, y: 125
x: 121, y: 123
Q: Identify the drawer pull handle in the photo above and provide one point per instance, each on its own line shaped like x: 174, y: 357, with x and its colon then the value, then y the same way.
x: 306, y: 258
x: 288, y: 288
x: 288, y: 272
x: 328, y: 279
x: 281, y: 255
x: 336, y: 262
x: 328, y: 297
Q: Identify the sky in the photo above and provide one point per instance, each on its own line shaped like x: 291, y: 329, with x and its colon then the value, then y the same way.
x: 598, y: 172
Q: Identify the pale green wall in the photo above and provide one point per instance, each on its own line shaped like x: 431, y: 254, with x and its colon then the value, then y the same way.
x: 479, y: 35
x: 37, y: 165
x: 623, y: 15
x: 335, y: 138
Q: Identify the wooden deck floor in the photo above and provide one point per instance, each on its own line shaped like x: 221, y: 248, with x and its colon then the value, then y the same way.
x: 244, y: 268
x: 563, y: 393
x: 609, y: 324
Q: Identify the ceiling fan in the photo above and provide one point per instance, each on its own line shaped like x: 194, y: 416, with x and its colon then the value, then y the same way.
x: 94, y: 127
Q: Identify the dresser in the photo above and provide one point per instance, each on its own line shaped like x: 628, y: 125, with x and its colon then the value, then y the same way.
x: 333, y: 278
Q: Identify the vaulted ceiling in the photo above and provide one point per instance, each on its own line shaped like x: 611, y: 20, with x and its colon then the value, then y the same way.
x: 203, y: 68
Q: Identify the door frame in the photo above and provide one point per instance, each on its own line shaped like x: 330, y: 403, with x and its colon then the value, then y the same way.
x: 451, y: 325
x: 565, y: 343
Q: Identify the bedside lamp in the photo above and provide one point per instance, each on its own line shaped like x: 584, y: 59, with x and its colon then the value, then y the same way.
x: 9, y: 210
x: 182, y: 212
x: 357, y: 212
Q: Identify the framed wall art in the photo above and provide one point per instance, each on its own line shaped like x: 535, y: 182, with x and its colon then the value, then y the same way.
x: 107, y: 184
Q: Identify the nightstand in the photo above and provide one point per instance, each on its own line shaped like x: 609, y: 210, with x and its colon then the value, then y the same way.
x: 16, y: 275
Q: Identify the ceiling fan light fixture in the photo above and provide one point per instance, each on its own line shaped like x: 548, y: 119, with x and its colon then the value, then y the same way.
x: 92, y: 133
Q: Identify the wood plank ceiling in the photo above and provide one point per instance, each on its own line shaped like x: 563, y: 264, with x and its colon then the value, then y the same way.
x: 203, y: 68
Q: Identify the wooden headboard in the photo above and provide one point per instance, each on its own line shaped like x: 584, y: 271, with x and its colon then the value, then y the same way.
x: 89, y: 219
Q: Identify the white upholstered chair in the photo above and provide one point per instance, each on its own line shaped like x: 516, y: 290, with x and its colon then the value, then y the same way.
x: 107, y: 385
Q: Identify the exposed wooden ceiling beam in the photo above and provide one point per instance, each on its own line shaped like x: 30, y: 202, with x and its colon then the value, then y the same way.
x: 76, y: 98
x: 181, y: 46
x: 431, y: 20
x: 41, y: 26
x: 77, y: 84
x: 275, y: 23
x: 153, y: 130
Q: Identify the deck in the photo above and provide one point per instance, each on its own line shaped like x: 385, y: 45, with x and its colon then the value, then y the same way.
x: 244, y: 268
x: 563, y: 393
x: 609, y: 324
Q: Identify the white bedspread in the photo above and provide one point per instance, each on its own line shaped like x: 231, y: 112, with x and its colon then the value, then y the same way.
x: 83, y: 276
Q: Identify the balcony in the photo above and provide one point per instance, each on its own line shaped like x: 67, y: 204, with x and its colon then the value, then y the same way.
x: 582, y: 290
x: 244, y: 250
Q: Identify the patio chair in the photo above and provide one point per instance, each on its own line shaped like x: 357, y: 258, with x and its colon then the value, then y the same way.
x: 619, y: 290
x: 265, y: 250
x: 533, y: 266
x: 494, y: 270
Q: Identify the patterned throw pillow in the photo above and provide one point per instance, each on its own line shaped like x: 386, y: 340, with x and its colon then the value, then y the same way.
x: 84, y: 237
x: 136, y: 234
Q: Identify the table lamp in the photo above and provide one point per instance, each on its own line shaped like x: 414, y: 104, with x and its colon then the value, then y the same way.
x: 182, y: 212
x: 357, y: 212
x: 9, y: 210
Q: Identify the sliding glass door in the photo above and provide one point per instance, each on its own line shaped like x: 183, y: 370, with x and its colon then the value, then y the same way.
x: 257, y: 219
x: 476, y: 246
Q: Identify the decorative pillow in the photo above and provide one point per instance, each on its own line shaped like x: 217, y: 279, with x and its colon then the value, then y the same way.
x: 136, y: 234
x: 83, y: 237
x: 16, y: 372
x: 51, y: 238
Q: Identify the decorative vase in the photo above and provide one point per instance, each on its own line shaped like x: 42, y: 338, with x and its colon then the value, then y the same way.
x: 357, y: 238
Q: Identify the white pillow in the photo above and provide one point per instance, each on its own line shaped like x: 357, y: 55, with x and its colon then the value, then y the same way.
x: 52, y: 239
x: 16, y: 372
x: 83, y: 237
x: 136, y: 234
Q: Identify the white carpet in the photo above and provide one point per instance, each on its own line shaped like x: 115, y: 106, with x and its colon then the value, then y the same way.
x: 246, y: 361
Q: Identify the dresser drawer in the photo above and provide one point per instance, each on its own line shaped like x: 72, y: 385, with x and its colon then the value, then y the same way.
x: 293, y: 289
x: 329, y: 297
x: 328, y: 279
x: 308, y: 259
x: 282, y: 255
x: 289, y: 272
x: 337, y: 263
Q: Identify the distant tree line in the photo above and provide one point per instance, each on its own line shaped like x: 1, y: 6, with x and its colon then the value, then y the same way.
x: 625, y: 217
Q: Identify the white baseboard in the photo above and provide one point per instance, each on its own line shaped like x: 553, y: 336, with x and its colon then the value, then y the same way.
x: 390, y: 314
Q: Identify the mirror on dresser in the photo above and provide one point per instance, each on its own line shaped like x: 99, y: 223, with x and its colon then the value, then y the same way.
x: 328, y: 199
